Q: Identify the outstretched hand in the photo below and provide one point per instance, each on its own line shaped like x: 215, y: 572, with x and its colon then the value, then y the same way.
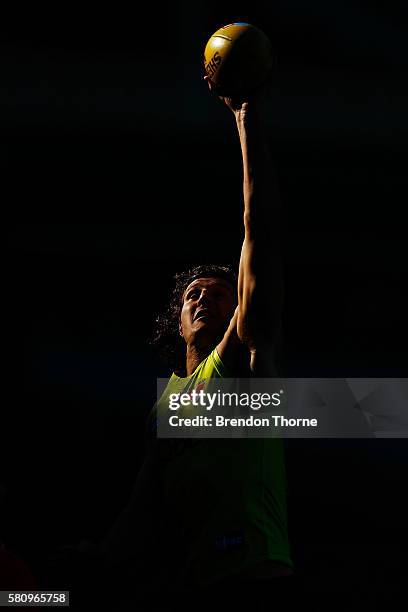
x: 239, y: 105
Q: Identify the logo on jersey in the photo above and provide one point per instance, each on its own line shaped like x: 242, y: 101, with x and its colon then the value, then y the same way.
x: 230, y: 541
x: 199, y: 387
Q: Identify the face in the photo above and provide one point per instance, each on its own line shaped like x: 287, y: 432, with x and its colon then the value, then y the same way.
x: 208, y: 306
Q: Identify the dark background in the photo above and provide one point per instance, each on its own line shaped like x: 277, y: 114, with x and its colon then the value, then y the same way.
x: 118, y: 169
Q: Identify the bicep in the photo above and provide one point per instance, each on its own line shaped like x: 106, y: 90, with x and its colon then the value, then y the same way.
x: 260, y: 293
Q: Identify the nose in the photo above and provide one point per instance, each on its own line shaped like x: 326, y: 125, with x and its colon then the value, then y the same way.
x: 204, y: 298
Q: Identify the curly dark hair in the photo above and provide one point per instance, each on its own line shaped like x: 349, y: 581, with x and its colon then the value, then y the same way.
x: 166, y: 336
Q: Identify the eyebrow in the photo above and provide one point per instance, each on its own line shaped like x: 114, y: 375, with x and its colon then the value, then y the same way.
x: 220, y: 283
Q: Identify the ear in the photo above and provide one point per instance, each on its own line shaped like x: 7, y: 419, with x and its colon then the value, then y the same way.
x: 180, y: 329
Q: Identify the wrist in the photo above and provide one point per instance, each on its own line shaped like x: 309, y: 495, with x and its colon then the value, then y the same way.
x: 249, y: 110
x: 249, y: 121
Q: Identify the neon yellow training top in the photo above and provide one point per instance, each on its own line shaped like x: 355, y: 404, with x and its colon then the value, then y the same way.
x: 225, y: 498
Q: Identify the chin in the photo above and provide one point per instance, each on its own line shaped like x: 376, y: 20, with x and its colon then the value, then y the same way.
x: 209, y: 331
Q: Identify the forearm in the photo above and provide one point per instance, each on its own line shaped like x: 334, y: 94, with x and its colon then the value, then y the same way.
x: 261, y: 197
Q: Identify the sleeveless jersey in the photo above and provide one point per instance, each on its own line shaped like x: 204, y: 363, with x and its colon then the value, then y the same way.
x: 225, y: 499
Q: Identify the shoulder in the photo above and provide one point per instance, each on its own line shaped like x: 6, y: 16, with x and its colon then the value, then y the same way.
x: 263, y: 360
x: 232, y: 352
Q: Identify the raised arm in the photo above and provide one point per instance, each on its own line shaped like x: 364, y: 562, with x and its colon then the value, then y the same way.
x: 260, y: 282
x: 257, y: 321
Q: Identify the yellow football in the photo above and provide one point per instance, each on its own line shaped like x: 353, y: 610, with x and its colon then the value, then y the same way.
x: 238, y: 58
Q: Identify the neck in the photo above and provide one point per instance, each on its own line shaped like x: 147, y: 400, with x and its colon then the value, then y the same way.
x: 195, y: 355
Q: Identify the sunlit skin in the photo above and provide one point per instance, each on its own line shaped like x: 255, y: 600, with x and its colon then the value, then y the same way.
x: 240, y: 321
x: 207, y: 308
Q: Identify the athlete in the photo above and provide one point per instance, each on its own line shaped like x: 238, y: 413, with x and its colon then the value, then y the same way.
x: 210, y: 514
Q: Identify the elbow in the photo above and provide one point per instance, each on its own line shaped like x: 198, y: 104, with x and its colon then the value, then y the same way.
x: 256, y: 226
x: 249, y: 223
